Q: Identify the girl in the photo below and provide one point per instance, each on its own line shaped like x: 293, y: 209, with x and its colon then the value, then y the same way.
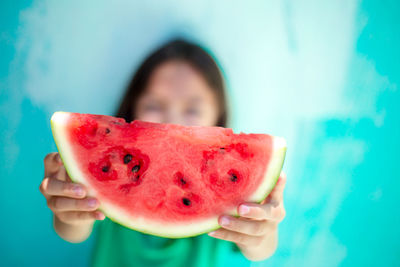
x: 179, y: 83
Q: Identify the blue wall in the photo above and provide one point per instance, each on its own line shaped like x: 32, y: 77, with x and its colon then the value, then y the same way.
x: 324, y: 75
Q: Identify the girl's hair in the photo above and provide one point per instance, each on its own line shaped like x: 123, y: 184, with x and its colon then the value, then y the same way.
x: 176, y: 50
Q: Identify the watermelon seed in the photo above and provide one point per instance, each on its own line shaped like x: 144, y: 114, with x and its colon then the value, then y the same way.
x: 183, y: 181
x: 136, y: 168
x: 233, y: 177
x: 223, y: 148
x: 186, y: 201
x: 127, y: 158
x: 105, y: 168
x: 107, y: 131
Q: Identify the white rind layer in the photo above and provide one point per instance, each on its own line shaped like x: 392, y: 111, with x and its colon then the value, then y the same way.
x: 146, y: 225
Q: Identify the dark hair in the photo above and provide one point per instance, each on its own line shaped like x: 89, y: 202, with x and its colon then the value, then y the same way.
x: 180, y: 50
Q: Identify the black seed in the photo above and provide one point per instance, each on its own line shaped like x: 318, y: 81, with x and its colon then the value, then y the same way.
x: 127, y: 158
x: 186, y: 201
x: 233, y: 177
x: 107, y: 131
x: 182, y: 181
x: 105, y: 168
x: 223, y: 148
x: 136, y: 168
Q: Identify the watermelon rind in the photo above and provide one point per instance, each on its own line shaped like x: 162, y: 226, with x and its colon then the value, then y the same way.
x: 146, y: 225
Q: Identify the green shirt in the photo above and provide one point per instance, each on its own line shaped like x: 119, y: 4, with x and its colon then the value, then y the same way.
x: 117, y: 245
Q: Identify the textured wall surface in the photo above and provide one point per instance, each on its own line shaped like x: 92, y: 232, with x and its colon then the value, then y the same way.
x: 323, y: 74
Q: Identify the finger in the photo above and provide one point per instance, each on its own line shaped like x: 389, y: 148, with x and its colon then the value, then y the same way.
x: 267, y: 211
x: 73, y: 217
x: 245, y: 226
x: 54, y: 187
x: 57, y: 204
x: 52, y: 163
x: 63, y: 174
x: 276, y: 195
x: 277, y: 192
x: 236, y: 237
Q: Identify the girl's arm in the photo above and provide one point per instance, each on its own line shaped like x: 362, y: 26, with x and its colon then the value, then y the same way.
x: 72, y: 233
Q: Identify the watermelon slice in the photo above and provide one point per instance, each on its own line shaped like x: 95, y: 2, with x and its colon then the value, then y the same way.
x: 164, y: 179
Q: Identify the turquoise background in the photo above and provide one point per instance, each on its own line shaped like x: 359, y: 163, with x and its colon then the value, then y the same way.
x: 323, y: 74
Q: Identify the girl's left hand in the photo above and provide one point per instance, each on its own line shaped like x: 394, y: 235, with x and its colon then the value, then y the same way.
x: 255, y: 231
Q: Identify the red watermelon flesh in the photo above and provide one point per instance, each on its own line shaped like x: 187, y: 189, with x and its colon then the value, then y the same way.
x: 165, y: 179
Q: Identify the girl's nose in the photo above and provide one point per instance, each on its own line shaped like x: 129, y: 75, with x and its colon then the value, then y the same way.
x: 172, y: 115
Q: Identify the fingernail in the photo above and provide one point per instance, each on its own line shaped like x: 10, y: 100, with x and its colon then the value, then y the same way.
x: 92, y: 202
x: 224, y: 221
x: 58, y: 158
x: 77, y: 190
x: 243, y: 209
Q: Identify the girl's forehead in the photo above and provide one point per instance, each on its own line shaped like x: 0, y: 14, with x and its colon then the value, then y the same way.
x: 174, y: 71
x: 178, y: 80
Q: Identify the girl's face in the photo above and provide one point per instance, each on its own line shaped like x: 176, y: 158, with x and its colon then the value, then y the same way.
x: 177, y: 93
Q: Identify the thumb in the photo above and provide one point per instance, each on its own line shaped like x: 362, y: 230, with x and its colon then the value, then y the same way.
x: 62, y: 174
x: 277, y: 192
x: 52, y: 163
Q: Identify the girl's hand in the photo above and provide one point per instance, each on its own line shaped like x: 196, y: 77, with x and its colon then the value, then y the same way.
x: 66, y: 199
x: 255, y: 231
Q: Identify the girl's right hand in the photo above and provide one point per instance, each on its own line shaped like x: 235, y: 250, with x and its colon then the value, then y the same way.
x: 66, y: 199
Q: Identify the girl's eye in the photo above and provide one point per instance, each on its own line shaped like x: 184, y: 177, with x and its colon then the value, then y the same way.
x: 152, y: 108
x: 192, y: 112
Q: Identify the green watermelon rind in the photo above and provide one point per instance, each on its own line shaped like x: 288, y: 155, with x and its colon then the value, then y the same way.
x: 270, y: 178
